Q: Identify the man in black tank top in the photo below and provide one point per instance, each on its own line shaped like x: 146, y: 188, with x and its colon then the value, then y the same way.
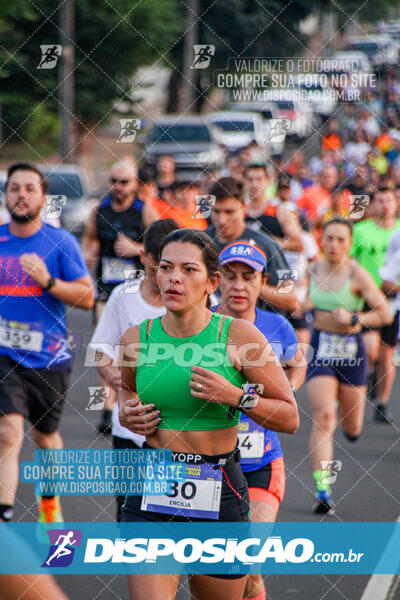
x: 269, y: 215
x: 113, y: 240
x: 113, y: 237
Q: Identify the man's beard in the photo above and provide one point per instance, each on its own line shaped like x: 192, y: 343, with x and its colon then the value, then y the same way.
x: 26, y: 218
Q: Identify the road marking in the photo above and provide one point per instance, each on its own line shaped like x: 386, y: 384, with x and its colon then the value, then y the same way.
x: 379, y: 585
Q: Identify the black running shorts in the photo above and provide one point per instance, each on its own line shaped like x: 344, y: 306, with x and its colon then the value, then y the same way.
x: 37, y: 394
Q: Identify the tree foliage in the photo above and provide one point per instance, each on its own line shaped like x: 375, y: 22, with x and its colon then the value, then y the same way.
x: 112, y: 39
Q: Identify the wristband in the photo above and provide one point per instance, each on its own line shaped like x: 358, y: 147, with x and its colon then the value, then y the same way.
x: 52, y: 281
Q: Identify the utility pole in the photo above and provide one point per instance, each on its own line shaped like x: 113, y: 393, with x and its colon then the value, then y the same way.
x: 66, y: 77
x: 187, y: 97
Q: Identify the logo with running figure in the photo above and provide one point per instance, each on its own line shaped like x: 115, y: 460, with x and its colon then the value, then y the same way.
x: 133, y: 279
x: 258, y: 388
x: 358, y: 206
x: 54, y: 206
x: 62, y: 547
x: 204, y: 203
x: 202, y: 55
x: 129, y: 129
x: 287, y: 279
x: 98, y: 396
x: 277, y: 129
x: 50, y: 55
x: 330, y: 470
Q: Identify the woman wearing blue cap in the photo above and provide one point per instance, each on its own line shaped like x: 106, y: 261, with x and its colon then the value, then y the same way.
x: 242, y: 277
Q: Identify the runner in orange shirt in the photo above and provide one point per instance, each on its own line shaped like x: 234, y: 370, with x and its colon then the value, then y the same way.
x: 316, y: 199
x: 332, y: 140
x: 180, y: 205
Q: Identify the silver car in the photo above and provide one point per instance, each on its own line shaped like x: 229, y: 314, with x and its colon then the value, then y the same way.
x: 190, y: 140
x: 70, y: 182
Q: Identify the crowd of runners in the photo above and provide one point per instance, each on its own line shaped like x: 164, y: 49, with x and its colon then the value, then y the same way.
x: 288, y: 270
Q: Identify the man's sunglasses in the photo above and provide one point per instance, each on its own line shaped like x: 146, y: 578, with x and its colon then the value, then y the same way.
x: 113, y: 180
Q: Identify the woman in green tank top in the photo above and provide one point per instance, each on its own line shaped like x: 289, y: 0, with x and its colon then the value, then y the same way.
x: 337, y: 372
x: 182, y: 386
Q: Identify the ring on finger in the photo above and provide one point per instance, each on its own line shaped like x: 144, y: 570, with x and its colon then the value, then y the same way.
x: 199, y: 387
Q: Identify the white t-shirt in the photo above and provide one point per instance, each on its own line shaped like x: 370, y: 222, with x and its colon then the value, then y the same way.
x: 391, y: 269
x: 356, y: 152
x: 299, y: 260
x: 121, y: 311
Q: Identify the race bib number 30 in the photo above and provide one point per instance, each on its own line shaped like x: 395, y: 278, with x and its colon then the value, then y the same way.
x: 197, y: 496
x: 251, y: 440
x: 113, y: 269
x: 332, y: 345
x: 21, y: 336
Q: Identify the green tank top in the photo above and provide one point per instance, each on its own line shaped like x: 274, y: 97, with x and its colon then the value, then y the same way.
x: 330, y: 300
x: 164, y: 370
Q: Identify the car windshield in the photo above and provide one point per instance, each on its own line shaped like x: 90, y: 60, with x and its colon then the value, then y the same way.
x: 315, y: 87
x: 369, y: 48
x: 285, y: 105
x: 235, y: 126
x: 180, y: 133
x: 66, y: 184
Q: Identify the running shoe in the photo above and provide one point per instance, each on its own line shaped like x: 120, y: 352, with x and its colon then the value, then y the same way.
x: 323, y: 504
x: 105, y: 424
x: 382, y: 414
x: 50, y: 510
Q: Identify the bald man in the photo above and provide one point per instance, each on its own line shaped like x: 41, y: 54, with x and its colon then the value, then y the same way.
x: 113, y: 241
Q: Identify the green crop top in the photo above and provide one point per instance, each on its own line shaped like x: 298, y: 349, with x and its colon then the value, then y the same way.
x: 330, y: 300
x: 163, y: 375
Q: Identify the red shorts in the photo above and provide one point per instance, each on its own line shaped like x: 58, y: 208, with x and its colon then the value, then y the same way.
x: 267, y: 484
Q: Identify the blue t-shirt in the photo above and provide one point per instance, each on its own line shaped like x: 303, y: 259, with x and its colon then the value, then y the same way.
x: 32, y: 322
x: 260, y: 446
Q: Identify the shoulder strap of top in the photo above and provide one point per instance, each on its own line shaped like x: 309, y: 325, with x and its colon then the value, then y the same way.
x: 354, y: 268
x: 313, y: 272
x: 224, y: 329
x: 143, y: 331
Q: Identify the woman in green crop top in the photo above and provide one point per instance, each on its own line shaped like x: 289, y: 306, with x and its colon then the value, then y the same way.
x: 182, y: 379
x: 337, y: 372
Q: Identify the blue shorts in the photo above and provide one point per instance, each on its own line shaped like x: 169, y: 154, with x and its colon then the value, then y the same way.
x: 350, y: 370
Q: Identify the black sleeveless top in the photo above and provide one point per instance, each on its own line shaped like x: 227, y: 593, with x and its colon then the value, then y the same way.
x: 108, y: 224
x: 266, y: 223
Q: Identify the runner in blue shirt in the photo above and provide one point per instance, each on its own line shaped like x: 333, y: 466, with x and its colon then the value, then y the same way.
x: 41, y: 270
x: 242, y: 277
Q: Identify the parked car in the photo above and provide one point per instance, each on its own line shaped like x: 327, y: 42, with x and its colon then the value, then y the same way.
x: 321, y: 97
x: 189, y: 139
x: 299, y: 113
x: 238, y: 129
x: 380, y: 48
x: 268, y: 111
x: 69, y: 181
x: 357, y: 59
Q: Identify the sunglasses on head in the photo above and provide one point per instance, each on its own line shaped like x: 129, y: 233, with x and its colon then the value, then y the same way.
x: 113, y: 180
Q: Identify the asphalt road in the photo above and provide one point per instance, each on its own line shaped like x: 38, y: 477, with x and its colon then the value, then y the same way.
x: 367, y: 488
